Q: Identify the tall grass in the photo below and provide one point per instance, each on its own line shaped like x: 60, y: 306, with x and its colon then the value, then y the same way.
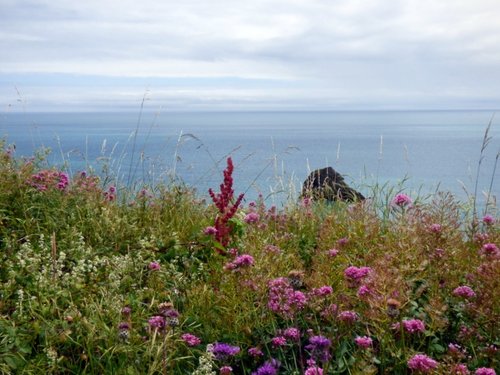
x: 129, y: 281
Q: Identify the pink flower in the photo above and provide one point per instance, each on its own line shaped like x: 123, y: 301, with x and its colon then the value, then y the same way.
x: 332, y: 252
x: 413, y: 325
x: 460, y: 369
x: 157, y: 322
x: 363, y: 341
x: 190, y: 340
x: 485, y: 371
x: 348, y: 316
x: 356, y: 273
x: 292, y: 334
x: 314, y: 371
x: 364, y: 291
x: 210, y: 231
x: 422, y: 363
x: 226, y: 370
x: 342, y: 241
x: 251, y: 218
x: 244, y: 260
x: 464, y: 291
x: 323, y: 291
x: 490, y: 249
x: 435, y: 228
x: 488, y: 219
x: 154, y: 266
x: 255, y: 352
x: 278, y: 341
x: 401, y: 200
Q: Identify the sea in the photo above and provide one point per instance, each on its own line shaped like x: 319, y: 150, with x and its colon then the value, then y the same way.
x: 418, y: 152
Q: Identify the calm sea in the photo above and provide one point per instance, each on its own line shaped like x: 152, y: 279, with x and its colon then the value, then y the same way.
x: 272, y: 151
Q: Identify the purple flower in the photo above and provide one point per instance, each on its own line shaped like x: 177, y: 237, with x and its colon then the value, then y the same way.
x: 126, y: 311
x: 154, y: 266
x: 422, y: 363
x: 332, y: 252
x: 401, y: 200
x: 364, y: 291
x: 268, y: 368
x: 363, y: 341
x: 190, y: 340
x: 283, y: 299
x: 485, y: 371
x: 490, y: 249
x: 251, y: 218
x: 464, y: 291
x: 157, y: 322
x: 460, y: 369
x: 278, y: 341
x: 488, y: 219
x: 435, y: 228
x: 413, y: 325
x: 123, y: 326
x: 319, y: 346
x: 222, y: 351
x: 323, y: 291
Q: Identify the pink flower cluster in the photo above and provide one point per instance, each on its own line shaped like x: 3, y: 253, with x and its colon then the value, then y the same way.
x: 240, y: 262
x: 488, y: 219
x: 252, y: 218
x: 414, y: 325
x: 354, y: 275
x: 490, y: 249
x: 485, y: 371
x: 283, y: 299
x: 314, y: 370
x: 190, y: 340
x: 348, y: 316
x: 401, y: 200
x: 323, y: 291
x: 464, y: 291
x: 422, y: 363
x: 363, y: 341
x: 47, y: 179
x: 292, y: 334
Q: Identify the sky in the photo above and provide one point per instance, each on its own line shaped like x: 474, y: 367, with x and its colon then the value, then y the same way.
x: 198, y: 55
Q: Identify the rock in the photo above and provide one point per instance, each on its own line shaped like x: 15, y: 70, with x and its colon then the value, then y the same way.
x: 326, y: 183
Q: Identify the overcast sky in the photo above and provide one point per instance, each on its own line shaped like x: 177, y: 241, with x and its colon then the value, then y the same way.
x: 258, y: 54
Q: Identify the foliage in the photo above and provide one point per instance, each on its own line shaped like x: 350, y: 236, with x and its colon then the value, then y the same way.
x: 98, y: 279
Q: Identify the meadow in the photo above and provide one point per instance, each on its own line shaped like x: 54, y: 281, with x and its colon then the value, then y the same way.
x: 102, y: 279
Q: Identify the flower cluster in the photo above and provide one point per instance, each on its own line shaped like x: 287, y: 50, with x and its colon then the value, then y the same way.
x: 353, y: 273
x: 270, y: 367
x: 240, y: 262
x: 401, y: 200
x: 190, y: 340
x: 49, y: 179
x: 283, y: 299
x: 422, y: 363
x: 464, y: 291
x: 363, y: 341
x: 223, y: 351
x: 319, y: 348
x: 414, y: 325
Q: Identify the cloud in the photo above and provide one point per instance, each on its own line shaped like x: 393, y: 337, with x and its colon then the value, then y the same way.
x: 354, y: 51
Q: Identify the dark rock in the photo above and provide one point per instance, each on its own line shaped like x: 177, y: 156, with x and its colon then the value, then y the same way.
x: 326, y: 183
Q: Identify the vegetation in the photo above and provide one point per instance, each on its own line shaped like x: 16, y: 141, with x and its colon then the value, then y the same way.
x: 100, y: 280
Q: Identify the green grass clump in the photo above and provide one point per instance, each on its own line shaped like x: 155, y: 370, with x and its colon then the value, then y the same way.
x: 103, y: 280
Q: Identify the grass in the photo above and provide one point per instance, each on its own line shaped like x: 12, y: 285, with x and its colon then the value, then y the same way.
x: 102, y: 279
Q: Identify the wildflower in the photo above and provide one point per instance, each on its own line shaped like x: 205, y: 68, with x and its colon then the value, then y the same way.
x: 270, y: 367
x: 210, y: 231
x: 413, y: 325
x: 190, y: 340
x: 222, y: 351
x: 323, y: 291
x: 157, y: 322
x: 490, y: 249
x: 123, y: 326
x: 126, y: 311
x: 154, y: 266
x: 278, y: 341
x: 329, y: 311
x: 435, y: 228
x: 485, y: 371
x: 460, y: 369
x: 319, y: 346
x: 333, y: 252
x: 464, y: 291
x: 363, y: 341
x: 348, y: 316
x: 422, y: 363
x: 356, y: 273
x: 244, y: 260
x: 364, y: 291
x: 251, y: 218
x: 488, y: 219
x: 255, y: 352
x: 283, y: 299
x: 292, y: 334
x: 401, y: 200
x: 226, y: 370
x: 314, y: 371
x: 342, y: 241
x: 272, y: 249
